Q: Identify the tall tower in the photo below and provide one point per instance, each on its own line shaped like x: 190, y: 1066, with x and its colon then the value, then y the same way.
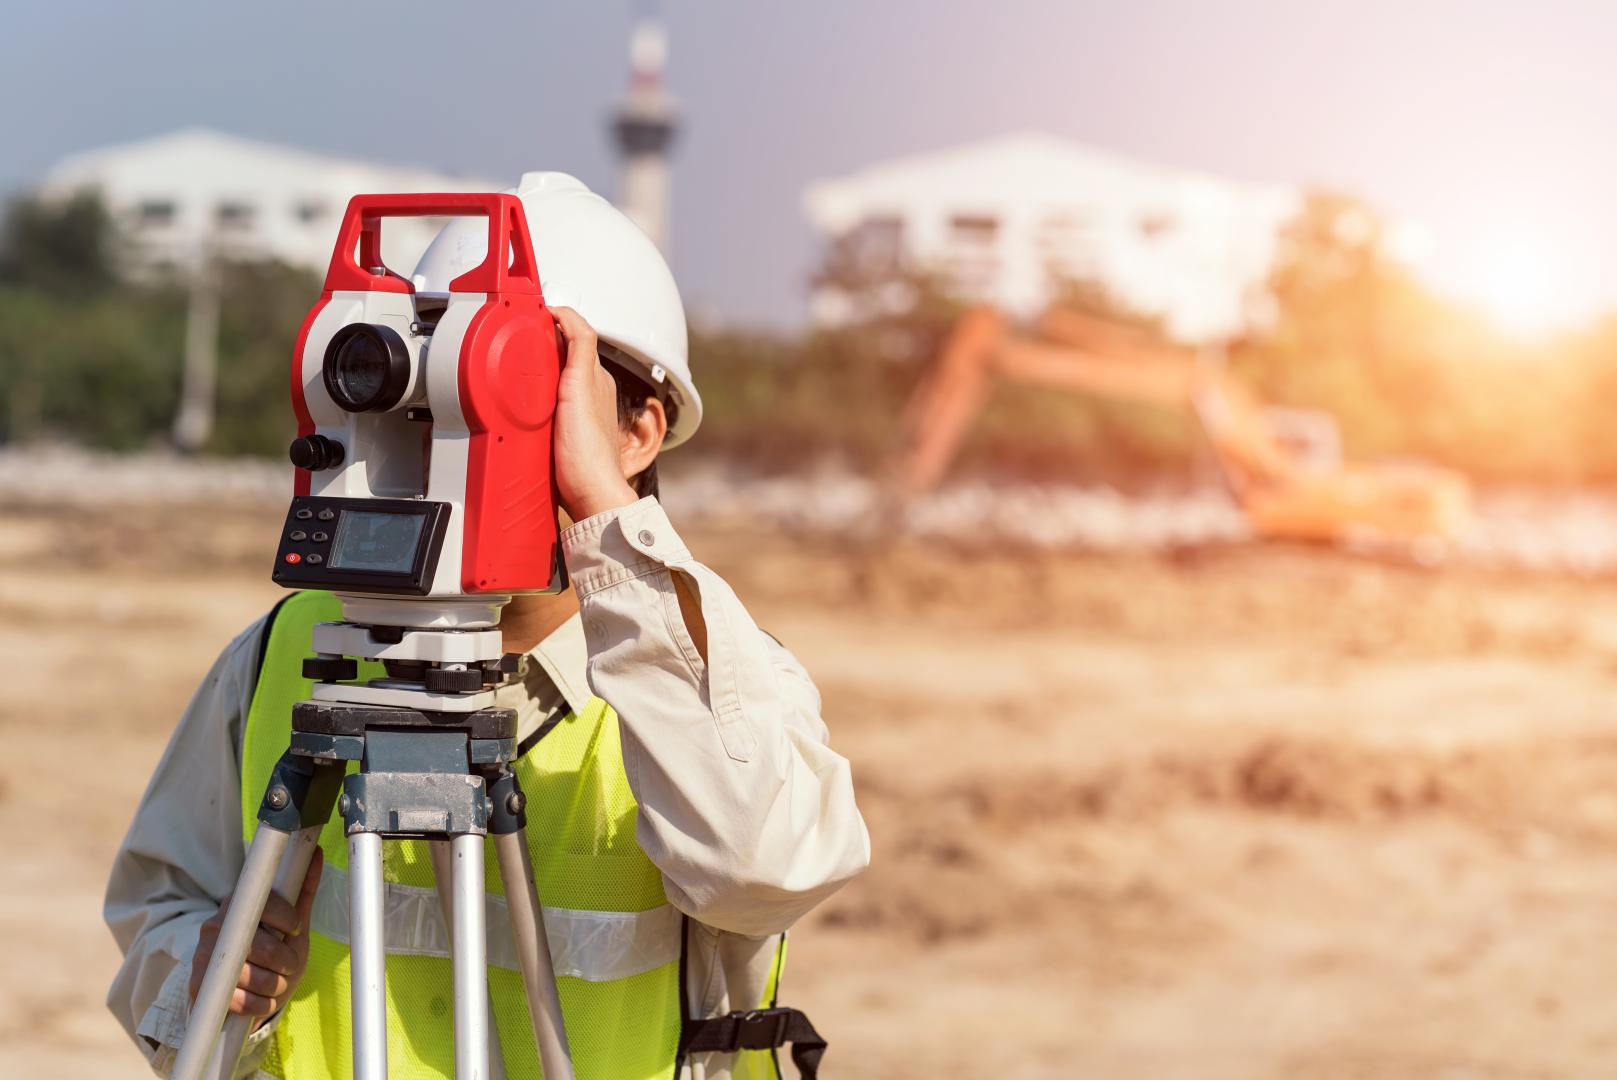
x: 644, y: 127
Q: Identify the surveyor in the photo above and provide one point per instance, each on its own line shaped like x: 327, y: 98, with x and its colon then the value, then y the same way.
x: 687, y: 808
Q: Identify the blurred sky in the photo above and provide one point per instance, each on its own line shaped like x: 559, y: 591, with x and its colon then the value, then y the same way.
x: 1484, y: 121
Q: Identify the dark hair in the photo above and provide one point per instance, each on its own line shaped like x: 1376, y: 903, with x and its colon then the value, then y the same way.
x: 633, y: 394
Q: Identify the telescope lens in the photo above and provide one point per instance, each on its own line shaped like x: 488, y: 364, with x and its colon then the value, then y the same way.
x: 367, y: 368
x: 361, y: 369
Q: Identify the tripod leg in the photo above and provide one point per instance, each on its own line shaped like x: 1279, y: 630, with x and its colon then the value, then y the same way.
x: 288, y: 883
x: 367, y: 956
x: 470, y: 959
x: 533, y: 953
x: 230, y: 951
x: 442, y: 871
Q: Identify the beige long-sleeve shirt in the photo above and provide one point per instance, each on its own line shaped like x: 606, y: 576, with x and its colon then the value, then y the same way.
x: 743, y: 806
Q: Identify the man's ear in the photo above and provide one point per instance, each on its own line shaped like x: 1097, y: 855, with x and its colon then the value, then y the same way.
x: 643, y: 439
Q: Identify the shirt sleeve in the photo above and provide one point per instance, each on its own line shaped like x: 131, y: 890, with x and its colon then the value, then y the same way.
x: 181, y: 857
x: 744, y: 807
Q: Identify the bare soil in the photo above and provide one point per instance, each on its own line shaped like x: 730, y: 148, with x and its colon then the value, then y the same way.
x: 1258, y: 813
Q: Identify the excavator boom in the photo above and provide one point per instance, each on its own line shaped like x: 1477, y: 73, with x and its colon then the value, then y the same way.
x: 1282, y: 497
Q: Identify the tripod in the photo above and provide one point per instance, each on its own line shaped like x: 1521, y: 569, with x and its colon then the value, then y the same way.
x: 435, y: 764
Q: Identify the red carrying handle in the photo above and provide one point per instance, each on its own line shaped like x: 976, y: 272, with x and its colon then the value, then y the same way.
x: 361, y: 232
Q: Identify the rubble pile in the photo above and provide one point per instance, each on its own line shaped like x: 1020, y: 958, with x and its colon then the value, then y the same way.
x: 70, y: 476
x: 1533, y: 531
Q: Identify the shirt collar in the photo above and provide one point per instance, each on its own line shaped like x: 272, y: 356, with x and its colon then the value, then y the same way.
x: 565, y: 659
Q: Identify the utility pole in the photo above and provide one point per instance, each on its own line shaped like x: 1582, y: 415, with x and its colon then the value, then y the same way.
x: 644, y: 130
x: 193, y: 422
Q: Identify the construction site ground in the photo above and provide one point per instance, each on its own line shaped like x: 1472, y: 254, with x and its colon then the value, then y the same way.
x: 1243, y: 813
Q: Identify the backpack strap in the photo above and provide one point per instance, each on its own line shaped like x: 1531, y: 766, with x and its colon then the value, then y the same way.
x: 757, y: 1029
x: 264, y: 635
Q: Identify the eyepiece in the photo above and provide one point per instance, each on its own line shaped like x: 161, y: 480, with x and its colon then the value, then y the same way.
x: 367, y: 368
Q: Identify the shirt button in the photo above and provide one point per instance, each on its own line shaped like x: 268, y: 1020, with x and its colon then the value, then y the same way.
x: 645, y: 537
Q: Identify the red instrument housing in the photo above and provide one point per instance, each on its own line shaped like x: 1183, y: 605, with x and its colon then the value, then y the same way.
x: 509, y: 369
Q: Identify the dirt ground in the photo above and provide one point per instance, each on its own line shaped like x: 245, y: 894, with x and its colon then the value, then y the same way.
x: 1247, y: 814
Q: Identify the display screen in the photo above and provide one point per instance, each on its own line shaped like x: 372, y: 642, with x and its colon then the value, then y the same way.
x: 371, y: 541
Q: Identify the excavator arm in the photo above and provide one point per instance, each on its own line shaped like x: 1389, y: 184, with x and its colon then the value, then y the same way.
x: 980, y: 349
x: 1083, y: 354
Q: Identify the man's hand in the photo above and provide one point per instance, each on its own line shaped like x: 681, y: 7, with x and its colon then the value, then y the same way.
x: 274, y: 965
x: 589, y: 441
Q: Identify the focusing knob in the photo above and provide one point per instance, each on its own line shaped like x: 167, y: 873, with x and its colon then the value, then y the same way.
x: 315, y: 452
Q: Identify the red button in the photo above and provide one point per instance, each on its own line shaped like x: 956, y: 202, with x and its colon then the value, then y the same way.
x: 293, y: 558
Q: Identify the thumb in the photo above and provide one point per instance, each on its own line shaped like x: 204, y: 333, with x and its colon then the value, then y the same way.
x: 311, y: 882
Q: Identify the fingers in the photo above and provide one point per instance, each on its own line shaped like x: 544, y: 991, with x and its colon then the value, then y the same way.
x: 273, y: 962
x: 583, y: 357
x: 270, y: 951
x: 580, y: 334
x: 267, y: 977
x: 250, y: 1004
x: 279, y: 914
x: 289, y: 917
x: 263, y: 981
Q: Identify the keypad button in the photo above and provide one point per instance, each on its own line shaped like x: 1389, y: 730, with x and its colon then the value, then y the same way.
x: 314, y: 558
x: 292, y: 558
x: 327, y: 515
x: 297, y: 535
x: 321, y: 537
x: 303, y: 513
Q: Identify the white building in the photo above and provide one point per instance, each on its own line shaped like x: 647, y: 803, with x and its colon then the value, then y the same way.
x: 1006, y: 219
x: 182, y: 193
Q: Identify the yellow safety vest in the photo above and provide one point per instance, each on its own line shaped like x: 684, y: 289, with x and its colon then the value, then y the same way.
x: 617, y: 943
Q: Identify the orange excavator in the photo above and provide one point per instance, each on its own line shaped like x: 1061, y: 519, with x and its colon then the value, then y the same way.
x: 1288, y: 488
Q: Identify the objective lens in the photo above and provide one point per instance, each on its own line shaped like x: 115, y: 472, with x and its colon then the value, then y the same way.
x: 360, y: 368
x: 367, y: 368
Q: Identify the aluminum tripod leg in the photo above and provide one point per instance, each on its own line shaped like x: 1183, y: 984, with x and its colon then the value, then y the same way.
x: 442, y: 870
x: 230, y: 951
x: 533, y: 954
x: 469, y: 958
x: 368, y: 960
x: 288, y: 883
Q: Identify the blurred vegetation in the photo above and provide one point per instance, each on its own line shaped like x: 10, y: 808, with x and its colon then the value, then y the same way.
x: 91, y: 351
x: 1348, y: 329
x: 837, y: 393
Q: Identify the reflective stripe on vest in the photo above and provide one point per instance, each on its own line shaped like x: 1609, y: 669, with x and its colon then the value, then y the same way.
x: 596, y: 946
x: 612, y: 931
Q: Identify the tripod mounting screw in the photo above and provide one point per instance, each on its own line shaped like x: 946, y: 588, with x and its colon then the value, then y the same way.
x: 278, y: 797
x: 330, y: 668
x: 452, y: 680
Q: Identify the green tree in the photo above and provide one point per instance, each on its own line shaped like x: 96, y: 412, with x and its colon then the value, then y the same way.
x: 261, y: 307
x: 59, y: 246
x: 93, y: 356
x: 101, y: 370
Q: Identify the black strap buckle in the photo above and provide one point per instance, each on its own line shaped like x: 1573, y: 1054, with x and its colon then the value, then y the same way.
x: 761, y: 1029
x: 757, y: 1029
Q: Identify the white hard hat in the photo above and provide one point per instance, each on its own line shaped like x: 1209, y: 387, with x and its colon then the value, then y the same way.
x: 596, y: 261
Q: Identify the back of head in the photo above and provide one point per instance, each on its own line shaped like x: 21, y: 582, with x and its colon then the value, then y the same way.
x: 593, y: 259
